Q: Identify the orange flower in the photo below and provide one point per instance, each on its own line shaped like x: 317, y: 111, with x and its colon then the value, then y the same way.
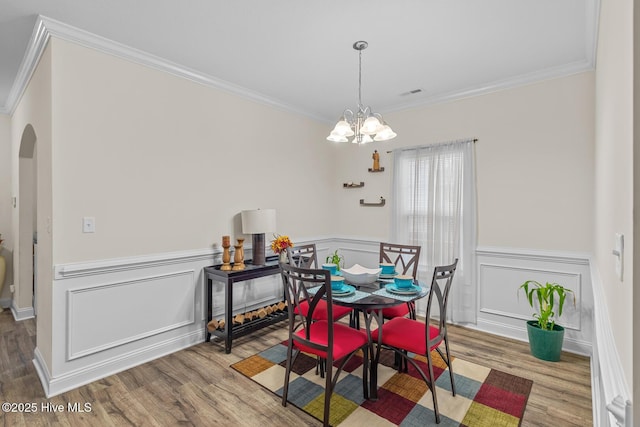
x: 280, y: 243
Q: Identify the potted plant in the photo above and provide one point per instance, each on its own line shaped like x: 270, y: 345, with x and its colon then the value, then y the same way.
x: 545, y: 336
x: 334, y: 258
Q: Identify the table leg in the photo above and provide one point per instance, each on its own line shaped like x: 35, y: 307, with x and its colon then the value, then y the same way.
x: 228, y: 314
x: 208, y: 283
x: 369, y: 316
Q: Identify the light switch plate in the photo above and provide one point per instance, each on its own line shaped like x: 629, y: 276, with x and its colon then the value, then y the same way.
x: 88, y: 224
x: 618, y: 251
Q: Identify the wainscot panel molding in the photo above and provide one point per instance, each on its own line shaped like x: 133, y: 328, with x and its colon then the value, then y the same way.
x: 503, y: 310
x: 86, y: 336
x: 611, y: 399
x: 111, y: 315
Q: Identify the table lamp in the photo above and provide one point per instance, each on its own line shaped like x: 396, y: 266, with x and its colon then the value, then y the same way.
x: 257, y: 222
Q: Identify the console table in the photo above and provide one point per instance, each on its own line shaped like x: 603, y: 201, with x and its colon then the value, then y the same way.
x: 229, y: 278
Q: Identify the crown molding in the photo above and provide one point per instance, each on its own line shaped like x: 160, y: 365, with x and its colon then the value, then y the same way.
x: 37, y: 43
x: 46, y: 27
x: 509, y: 83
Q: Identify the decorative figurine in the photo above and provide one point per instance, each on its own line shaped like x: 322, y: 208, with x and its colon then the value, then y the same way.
x: 238, y: 256
x: 226, y: 257
x: 376, y: 160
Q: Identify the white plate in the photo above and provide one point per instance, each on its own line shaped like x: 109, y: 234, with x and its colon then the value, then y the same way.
x: 391, y: 287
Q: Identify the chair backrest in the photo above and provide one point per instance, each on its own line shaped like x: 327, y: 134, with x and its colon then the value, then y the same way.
x: 304, y: 256
x: 297, y: 281
x: 405, y: 257
x: 440, y: 287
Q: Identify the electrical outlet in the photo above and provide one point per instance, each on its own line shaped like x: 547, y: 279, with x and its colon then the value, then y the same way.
x: 12, y: 288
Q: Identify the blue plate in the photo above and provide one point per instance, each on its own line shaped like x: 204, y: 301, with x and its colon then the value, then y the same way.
x: 344, y: 291
x: 338, y: 273
x: 391, y: 287
x: 388, y: 276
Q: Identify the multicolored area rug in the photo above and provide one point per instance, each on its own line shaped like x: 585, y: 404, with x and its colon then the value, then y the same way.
x: 484, y: 397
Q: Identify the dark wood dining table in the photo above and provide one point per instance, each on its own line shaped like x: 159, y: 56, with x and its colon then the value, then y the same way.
x: 369, y: 300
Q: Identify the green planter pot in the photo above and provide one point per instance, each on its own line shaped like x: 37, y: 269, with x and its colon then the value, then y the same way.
x: 545, y: 345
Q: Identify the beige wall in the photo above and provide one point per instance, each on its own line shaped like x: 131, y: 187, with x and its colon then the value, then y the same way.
x: 5, y: 178
x: 34, y: 109
x: 165, y: 164
x: 5, y: 200
x: 534, y: 161
x: 614, y: 168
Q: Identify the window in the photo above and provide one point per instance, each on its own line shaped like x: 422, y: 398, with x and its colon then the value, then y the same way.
x: 434, y: 207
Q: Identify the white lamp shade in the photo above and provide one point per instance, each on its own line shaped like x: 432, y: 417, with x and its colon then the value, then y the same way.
x: 371, y: 125
x: 385, y: 134
x: 343, y: 128
x: 337, y: 138
x: 258, y: 221
x: 365, y: 139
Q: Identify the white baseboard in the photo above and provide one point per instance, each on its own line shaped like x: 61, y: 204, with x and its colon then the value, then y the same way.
x: 20, y: 314
x: 56, y: 385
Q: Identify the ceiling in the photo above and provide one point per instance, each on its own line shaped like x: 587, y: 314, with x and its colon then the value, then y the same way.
x: 298, y: 55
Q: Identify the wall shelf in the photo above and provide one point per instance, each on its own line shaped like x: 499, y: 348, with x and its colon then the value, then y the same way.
x: 353, y: 184
x: 376, y: 170
x: 378, y: 204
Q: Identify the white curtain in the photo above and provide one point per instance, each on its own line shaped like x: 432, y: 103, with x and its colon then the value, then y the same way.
x: 434, y: 206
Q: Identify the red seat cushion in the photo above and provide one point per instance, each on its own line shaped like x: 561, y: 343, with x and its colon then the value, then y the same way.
x: 406, y: 334
x: 396, y: 311
x: 345, y: 339
x: 320, y: 312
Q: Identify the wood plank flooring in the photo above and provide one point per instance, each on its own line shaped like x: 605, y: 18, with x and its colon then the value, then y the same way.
x: 197, y: 387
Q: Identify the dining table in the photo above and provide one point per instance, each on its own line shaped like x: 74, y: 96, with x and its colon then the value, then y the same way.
x: 369, y: 300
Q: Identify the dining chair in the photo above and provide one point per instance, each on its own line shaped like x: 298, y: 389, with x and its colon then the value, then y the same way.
x: 404, y: 335
x: 405, y: 258
x: 305, y: 256
x: 326, y: 339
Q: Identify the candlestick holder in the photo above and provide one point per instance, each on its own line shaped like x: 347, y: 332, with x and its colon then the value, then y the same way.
x: 238, y: 256
x: 226, y: 256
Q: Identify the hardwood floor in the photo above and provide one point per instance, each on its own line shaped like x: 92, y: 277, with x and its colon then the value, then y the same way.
x: 197, y: 387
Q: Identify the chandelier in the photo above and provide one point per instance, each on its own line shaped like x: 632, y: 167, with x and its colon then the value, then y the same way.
x: 363, y: 124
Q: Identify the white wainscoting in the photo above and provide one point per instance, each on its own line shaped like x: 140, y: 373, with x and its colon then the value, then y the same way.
x: 504, y: 311
x: 110, y: 315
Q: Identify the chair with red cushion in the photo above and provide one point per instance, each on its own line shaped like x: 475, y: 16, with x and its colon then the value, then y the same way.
x: 404, y: 335
x: 333, y: 342
x: 305, y: 256
x: 405, y: 258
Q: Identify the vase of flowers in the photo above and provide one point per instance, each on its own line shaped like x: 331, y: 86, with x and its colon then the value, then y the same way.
x: 279, y: 245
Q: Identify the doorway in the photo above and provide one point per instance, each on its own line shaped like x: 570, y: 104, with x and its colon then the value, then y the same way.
x: 26, y: 289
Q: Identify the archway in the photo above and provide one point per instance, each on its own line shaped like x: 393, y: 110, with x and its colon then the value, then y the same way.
x: 25, y: 291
